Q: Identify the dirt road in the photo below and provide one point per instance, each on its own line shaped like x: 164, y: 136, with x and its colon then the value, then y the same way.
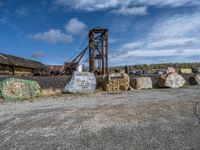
x: 150, y: 119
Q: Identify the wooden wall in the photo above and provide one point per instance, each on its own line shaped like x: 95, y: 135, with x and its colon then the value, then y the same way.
x: 12, y: 70
x: 6, y: 70
x: 22, y: 71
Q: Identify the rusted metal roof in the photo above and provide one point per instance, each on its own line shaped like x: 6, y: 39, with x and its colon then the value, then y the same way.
x: 7, y: 59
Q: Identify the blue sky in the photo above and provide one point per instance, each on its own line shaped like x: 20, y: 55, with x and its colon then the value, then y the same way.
x: 140, y: 31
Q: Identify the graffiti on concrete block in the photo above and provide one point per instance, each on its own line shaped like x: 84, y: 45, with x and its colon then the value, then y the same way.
x: 81, y: 82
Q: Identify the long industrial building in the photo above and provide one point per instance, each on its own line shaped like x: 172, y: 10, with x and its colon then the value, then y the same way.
x: 13, y: 65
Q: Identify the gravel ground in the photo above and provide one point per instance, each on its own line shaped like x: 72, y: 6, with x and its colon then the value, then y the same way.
x: 149, y: 119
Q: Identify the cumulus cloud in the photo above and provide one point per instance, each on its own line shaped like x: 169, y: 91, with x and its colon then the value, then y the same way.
x: 177, y: 26
x: 52, y: 36
x: 131, y: 11
x: 161, y: 53
x: 22, y: 12
x: 75, y: 26
x: 38, y: 54
x: 94, y: 5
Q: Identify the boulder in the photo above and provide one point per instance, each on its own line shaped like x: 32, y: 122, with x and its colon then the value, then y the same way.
x: 50, y: 92
x: 170, y: 70
x: 171, y: 80
x: 116, y: 82
x: 81, y: 82
x: 14, y: 89
x: 185, y: 71
x: 195, y: 79
x: 141, y: 83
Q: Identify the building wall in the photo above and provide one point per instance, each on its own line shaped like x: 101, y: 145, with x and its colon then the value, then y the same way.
x: 6, y: 70
x: 22, y: 71
x: 12, y: 70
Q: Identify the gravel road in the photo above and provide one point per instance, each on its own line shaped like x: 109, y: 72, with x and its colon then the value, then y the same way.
x: 150, y: 119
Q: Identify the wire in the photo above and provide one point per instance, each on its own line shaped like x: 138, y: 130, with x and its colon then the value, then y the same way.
x: 78, y: 52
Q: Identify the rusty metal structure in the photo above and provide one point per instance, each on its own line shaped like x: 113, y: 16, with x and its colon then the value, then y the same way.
x: 70, y: 67
x: 98, y: 53
x: 98, y: 50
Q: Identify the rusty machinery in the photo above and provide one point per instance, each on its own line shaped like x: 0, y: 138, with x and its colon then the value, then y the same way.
x: 98, y: 50
x: 98, y: 53
x: 70, y: 67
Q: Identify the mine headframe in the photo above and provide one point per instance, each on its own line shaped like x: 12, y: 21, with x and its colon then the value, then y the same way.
x: 98, y: 50
x: 98, y: 53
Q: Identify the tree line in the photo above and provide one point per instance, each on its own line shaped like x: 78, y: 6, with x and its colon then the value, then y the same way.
x: 155, y: 66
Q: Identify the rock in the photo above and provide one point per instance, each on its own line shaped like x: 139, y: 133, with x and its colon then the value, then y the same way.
x: 171, y: 80
x: 195, y: 79
x: 141, y: 83
x: 50, y: 92
x: 130, y: 88
x: 170, y: 70
x: 116, y: 82
x: 81, y: 82
x: 14, y: 89
x: 185, y: 71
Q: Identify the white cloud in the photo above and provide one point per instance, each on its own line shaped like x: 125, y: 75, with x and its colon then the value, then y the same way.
x: 174, y: 42
x: 75, y: 26
x: 177, y: 26
x: 131, y: 11
x: 132, y: 45
x: 170, y: 39
x: 52, y: 36
x: 162, y: 53
x: 94, y: 5
x: 88, y: 5
x: 22, y: 12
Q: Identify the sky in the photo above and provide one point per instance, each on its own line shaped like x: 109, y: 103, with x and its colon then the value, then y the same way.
x: 140, y: 31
